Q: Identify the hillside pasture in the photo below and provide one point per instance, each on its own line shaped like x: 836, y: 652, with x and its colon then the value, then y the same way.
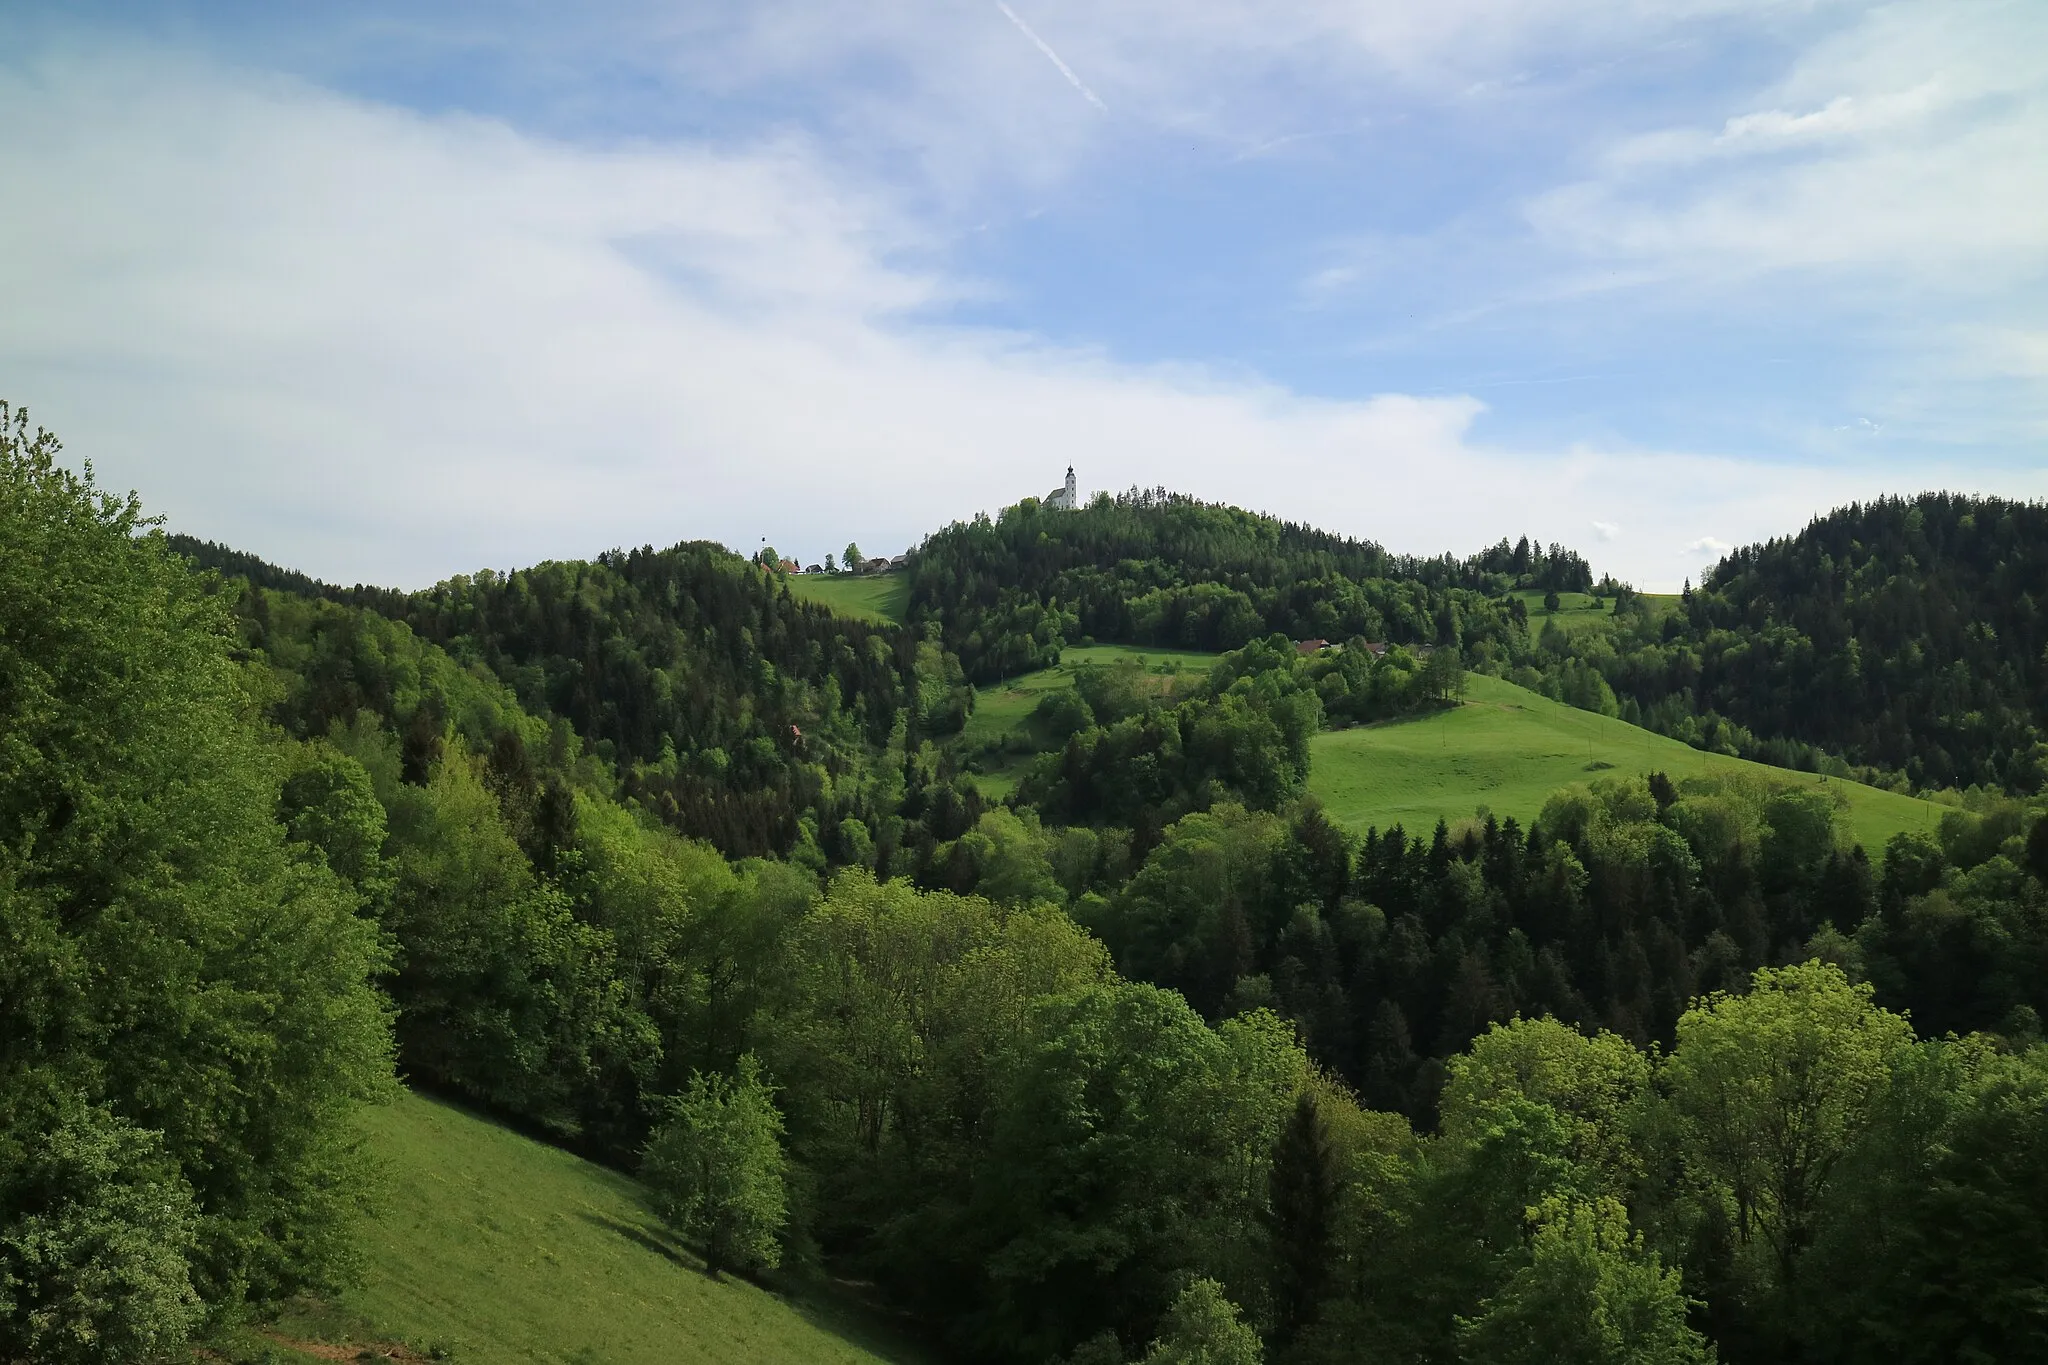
x: 881, y: 597
x: 1507, y: 749
x: 493, y: 1247
x: 1576, y: 612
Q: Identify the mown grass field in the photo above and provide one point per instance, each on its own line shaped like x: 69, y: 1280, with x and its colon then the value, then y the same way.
x: 882, y: 597
x: 495, y: 1248
x: 1508, y: 749
x: 1001, y: 708
x: 1575, y: 610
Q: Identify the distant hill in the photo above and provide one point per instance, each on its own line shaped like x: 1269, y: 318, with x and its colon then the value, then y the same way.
x: 1153, y: 568
x: 1905, y: 635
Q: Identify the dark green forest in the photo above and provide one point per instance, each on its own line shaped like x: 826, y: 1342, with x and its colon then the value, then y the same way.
x: 1152, y: 1060
x: 1151, y: 567
x: 1901, y: 640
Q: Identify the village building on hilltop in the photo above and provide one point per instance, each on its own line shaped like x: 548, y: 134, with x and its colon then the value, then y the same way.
x: 1066, y: 497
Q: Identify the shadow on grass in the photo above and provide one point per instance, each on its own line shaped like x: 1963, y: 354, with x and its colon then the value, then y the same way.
x: 645, y: 1237
x: 855, y: 1312
x: 848, y: 1309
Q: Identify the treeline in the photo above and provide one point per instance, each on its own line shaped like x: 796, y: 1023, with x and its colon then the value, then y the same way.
x: 1159, y: 569
x: 1624, y: 901
x: 1902, y: 638
x: 1534, y: 565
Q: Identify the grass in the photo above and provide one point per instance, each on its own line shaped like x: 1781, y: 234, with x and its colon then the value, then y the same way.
x: 493, y: 1247
x: 1576, y: 612
x: 1001, y: 708
x: 1508, y: 749
x: 876, y: 597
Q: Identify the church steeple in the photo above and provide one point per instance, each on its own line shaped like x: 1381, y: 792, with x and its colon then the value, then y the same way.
x: 1072, y: 501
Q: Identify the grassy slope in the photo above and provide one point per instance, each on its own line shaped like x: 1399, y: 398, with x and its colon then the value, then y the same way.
x: 882, y: 597
x: 1508, y: 749
x: 1575, y: 611
x: 502, y: 1249
x: 1002, y: 707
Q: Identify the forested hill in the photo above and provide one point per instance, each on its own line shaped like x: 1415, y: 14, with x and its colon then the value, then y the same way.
x: 1151, y: 567
x: 1903, y: 635
x: 738, y: 713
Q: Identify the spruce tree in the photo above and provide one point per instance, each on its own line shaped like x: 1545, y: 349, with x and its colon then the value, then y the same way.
x: 1300, y: 1217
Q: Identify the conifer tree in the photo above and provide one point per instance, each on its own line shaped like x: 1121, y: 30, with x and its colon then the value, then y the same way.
x: 1300, y: 1216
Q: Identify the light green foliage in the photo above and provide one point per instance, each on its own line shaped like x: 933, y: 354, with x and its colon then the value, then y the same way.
x: 883, y: 597
x: 1203, y: 1328
x: 1005, y: 857
x: 330, y: 802
x: 502, y: 991
x: 699, y: 938
x: 1771, y: 1089
x: 1589, y: 1294
x: 163, y: 953
x: 1595, y: 1084
x: 716, y: 1169
x: 498, y: 1248
x: 1509, y: 749
x: 98, y: 1226
x: 895, y: 1032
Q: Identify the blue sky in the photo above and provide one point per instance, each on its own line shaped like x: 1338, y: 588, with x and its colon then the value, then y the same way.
x: 392, y: 291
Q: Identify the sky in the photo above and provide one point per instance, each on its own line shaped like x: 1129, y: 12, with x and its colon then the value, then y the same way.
x: 393, y: 291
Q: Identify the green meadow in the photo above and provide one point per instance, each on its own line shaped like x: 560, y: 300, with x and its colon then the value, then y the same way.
x: 1576, y: 612
x: 491, y: 1247
x: 1507, y: 749
x: 878, y: 597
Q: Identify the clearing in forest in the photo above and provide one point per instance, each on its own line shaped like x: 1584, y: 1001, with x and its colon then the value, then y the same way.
x: 1576, y: 612
x: 1507, y: 749
x: 881, y: 597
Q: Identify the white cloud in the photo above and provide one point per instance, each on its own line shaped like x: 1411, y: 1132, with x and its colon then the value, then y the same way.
x: 381, y: 346
x: 1605, y: 530
x: 949, y: 90
x: 1907, y: 143
x: 1712, y: 546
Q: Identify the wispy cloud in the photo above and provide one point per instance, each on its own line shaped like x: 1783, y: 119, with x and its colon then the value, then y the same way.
x: 1709, y: 545
x: 1606, y: 530
x: 1053, y: 57
x: 388, y: 346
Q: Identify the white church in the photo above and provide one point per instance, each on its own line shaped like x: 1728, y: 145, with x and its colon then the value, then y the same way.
x: 1065, y: 497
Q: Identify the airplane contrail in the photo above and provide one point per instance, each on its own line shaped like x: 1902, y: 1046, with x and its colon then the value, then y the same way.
x: 1051, y: 56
